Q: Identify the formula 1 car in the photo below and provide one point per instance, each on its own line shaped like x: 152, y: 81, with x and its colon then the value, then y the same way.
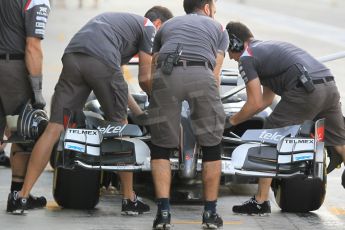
x: 294, y: 156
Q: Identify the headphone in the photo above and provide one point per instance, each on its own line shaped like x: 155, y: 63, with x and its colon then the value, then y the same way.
x: 235, y: 45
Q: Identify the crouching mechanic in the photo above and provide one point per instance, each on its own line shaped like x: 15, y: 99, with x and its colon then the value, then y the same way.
x: 307, y: 89
x: 92, y: 61
x: 22, y: 27
x: 189, y: 51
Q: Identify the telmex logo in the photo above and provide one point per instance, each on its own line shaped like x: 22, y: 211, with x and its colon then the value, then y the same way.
x: 296, y: 141
x: 111, y: 129
x: 270, y: 136
x: 83, y: 131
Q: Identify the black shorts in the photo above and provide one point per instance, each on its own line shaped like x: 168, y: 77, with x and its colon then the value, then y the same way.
x: 197, y: 86
x: 80, y: 75
x: 297, y: 106
x: 15, y: 89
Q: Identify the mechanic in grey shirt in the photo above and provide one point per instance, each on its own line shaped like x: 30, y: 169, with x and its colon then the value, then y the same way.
x: 201, y: 43
x: 22, y: 27
x: 278, y: 67
x: 92, y: 62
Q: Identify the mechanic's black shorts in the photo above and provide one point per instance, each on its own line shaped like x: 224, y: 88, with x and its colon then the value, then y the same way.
x: 15, y: 89
x: 296, y: 106
x: 197, y: 86
x: 82, y: 73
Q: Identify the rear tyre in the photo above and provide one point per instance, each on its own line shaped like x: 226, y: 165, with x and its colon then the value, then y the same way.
x: 76, y: 188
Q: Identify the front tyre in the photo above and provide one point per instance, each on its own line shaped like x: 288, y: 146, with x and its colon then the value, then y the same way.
x: 299, y: 194
x: 76, y: 188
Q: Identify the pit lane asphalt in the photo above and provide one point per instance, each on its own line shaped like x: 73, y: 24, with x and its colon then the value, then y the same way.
x: 107, y: 213
x: 269, y: 20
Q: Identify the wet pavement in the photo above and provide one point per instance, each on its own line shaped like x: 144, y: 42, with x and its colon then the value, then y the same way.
x: 317, y: 26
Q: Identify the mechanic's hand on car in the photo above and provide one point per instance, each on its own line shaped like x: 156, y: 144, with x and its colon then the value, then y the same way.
x: 227, y: 124
x: 36, y: 85
x: 141, y: 119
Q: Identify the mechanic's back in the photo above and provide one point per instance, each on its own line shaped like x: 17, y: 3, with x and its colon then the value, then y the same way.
x: 195, y: 30
x: 276, y: 61
x: 114, y: 38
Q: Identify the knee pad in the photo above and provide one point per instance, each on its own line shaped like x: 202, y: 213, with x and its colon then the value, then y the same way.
x: 159, y: 153
x: 211, y: 153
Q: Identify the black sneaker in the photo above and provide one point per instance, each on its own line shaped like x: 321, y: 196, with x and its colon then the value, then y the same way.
x: 16, y: 205
x: 211, y: 220
x: 252, y: 207
x: 162, y: 220
x: 4, y: 160
x: 134, y: 208
x: 36, y: 202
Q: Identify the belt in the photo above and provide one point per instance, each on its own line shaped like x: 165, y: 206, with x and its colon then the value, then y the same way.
x: 12, y: 56
x: 318, y: 81
x: 190, y: 63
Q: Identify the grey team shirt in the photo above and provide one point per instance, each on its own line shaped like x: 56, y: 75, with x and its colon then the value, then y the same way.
x: 201, y: 38
x: 114, y: 38
x: 20, y: 19
x: 274, y: 62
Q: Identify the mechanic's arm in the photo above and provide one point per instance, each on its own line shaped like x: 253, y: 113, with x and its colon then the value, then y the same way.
x: 34, y: 60
x: 144, y: 76
x: 34, y: 56
x: 257, y: 101
x: 132, y: 104
x: 217, y: 68
x: 268, y: 97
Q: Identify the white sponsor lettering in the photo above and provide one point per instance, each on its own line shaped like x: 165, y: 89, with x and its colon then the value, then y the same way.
x: 83, y: 131
x: 270, y: 136
x: 111, y: 129
x: 43, y: 11
x: 40, y: 18
x: 299, y: 141
x: 39, y: 31
x: 40, y: 25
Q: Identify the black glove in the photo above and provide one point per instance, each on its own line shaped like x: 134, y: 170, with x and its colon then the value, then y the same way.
x: 141, y: 119
x: 227, y: 124
x: 36, y: 85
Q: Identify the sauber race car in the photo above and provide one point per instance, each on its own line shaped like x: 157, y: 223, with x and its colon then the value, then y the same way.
x: 294, y: 156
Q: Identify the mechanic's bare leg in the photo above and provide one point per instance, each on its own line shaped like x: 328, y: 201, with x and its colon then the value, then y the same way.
x: 211, y: 177
x: 263, y: 190
x: 19, y: 163
x: 161, y: 173
x: 126, y: 179
x: 40, y: 156
x: 130, y: 204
